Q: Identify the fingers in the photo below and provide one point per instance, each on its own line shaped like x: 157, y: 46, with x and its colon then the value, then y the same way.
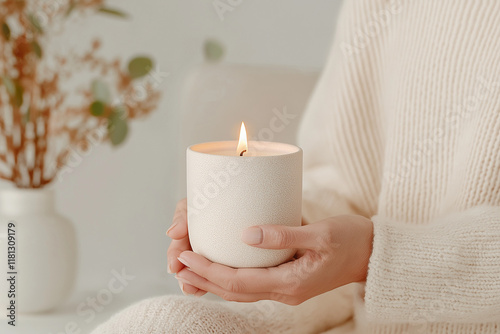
x: 174, y: 250
x: 188, y: 277
x: 178, y: 229
x: 281, y: 237
x: 247, y: 280
x: 188, y: 289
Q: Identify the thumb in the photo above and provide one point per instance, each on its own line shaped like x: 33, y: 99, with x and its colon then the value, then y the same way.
x: 278, y: 237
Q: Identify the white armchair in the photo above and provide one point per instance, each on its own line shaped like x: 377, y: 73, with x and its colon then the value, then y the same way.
x: 216, y: 98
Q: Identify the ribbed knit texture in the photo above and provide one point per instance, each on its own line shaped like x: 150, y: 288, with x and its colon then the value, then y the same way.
x: 404, y: 127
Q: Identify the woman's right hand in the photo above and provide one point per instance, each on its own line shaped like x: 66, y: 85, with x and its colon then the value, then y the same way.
x: 178, y: 231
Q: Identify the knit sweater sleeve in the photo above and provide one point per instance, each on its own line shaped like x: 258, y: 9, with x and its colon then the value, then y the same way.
x: 330, y: 134
x: 324, y: 187
x: 447, y: 270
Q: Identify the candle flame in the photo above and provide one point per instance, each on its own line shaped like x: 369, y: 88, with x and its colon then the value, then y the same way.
x: 242, y: 143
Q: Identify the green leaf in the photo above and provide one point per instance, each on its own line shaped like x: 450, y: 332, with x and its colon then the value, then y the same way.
x: 112, y: 11
x: 117, y: 128
x: 139, y: 67
x: 6, y: 31
x: 214, y: 51
x: 9, y: 85
x: 71, y: 7
x: 100, y: 91
x: 18, y: 96
x: 35, y: 23
x: 14, y: 89
x: 120, y: 110
x: 26, y: 116
x: 37, y: 49
x: 97, y: 108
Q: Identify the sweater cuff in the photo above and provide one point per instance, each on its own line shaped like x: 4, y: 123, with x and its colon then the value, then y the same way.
x: 386, y: 293
x: 444, y: 270
x: 404, y: 274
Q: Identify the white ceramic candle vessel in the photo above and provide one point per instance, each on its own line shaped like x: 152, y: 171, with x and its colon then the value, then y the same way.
x: 228, y: 193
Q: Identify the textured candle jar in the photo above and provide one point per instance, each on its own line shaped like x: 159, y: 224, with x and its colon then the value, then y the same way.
x: 227, y: 193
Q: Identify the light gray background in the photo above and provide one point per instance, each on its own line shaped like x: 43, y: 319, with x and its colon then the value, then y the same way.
x: 121, y: 200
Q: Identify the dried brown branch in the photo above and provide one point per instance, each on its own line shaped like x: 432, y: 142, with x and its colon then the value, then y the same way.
x: 38, y: 123
x: 5, y: 177
x: 3, y: 159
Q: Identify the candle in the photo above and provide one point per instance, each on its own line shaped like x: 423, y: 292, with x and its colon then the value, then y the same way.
x: 232, y: 185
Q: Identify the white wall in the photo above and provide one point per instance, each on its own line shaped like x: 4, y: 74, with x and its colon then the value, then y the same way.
x: 121, y: 200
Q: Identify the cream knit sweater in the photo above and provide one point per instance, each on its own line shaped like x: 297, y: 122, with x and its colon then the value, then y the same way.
x: 404, y: 127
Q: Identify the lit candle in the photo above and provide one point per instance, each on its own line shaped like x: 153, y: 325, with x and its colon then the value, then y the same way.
x: 232, y: 185
x: 242, y: 142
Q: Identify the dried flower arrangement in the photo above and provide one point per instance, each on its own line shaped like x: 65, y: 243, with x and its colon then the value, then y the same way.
x: 41, y: 120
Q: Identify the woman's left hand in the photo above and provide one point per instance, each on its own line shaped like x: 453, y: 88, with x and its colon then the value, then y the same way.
x: 331, y: 253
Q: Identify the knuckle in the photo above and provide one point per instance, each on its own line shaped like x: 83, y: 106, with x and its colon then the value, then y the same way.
x: 283, y: 238
x: 179, y: 217
x: 171, y: 250
x: 326, y: 238
x: 235, y: 286
x: 295, y: 289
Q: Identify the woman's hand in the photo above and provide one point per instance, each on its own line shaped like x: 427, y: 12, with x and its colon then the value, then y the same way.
x: 331, y: 253
x: 178, y: 231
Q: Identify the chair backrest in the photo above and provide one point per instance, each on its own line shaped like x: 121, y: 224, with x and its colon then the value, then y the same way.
x: 216, y: 98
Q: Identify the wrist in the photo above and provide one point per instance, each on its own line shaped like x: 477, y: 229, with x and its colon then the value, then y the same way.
x: 365, y: 253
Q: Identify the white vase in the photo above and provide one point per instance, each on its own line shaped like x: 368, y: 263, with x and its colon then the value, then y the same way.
x: 45, y: 247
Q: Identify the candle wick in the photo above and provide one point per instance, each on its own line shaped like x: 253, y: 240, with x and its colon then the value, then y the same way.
x: 241, y: 154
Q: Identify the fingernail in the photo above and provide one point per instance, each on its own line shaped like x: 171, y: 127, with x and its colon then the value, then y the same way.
x: 183, y: 261
x: 171, y: 227
x: 252, y: 235
x: 169, y: 270
x: 199, y: 293
x: 181, y: 281
x: 181, y: 285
